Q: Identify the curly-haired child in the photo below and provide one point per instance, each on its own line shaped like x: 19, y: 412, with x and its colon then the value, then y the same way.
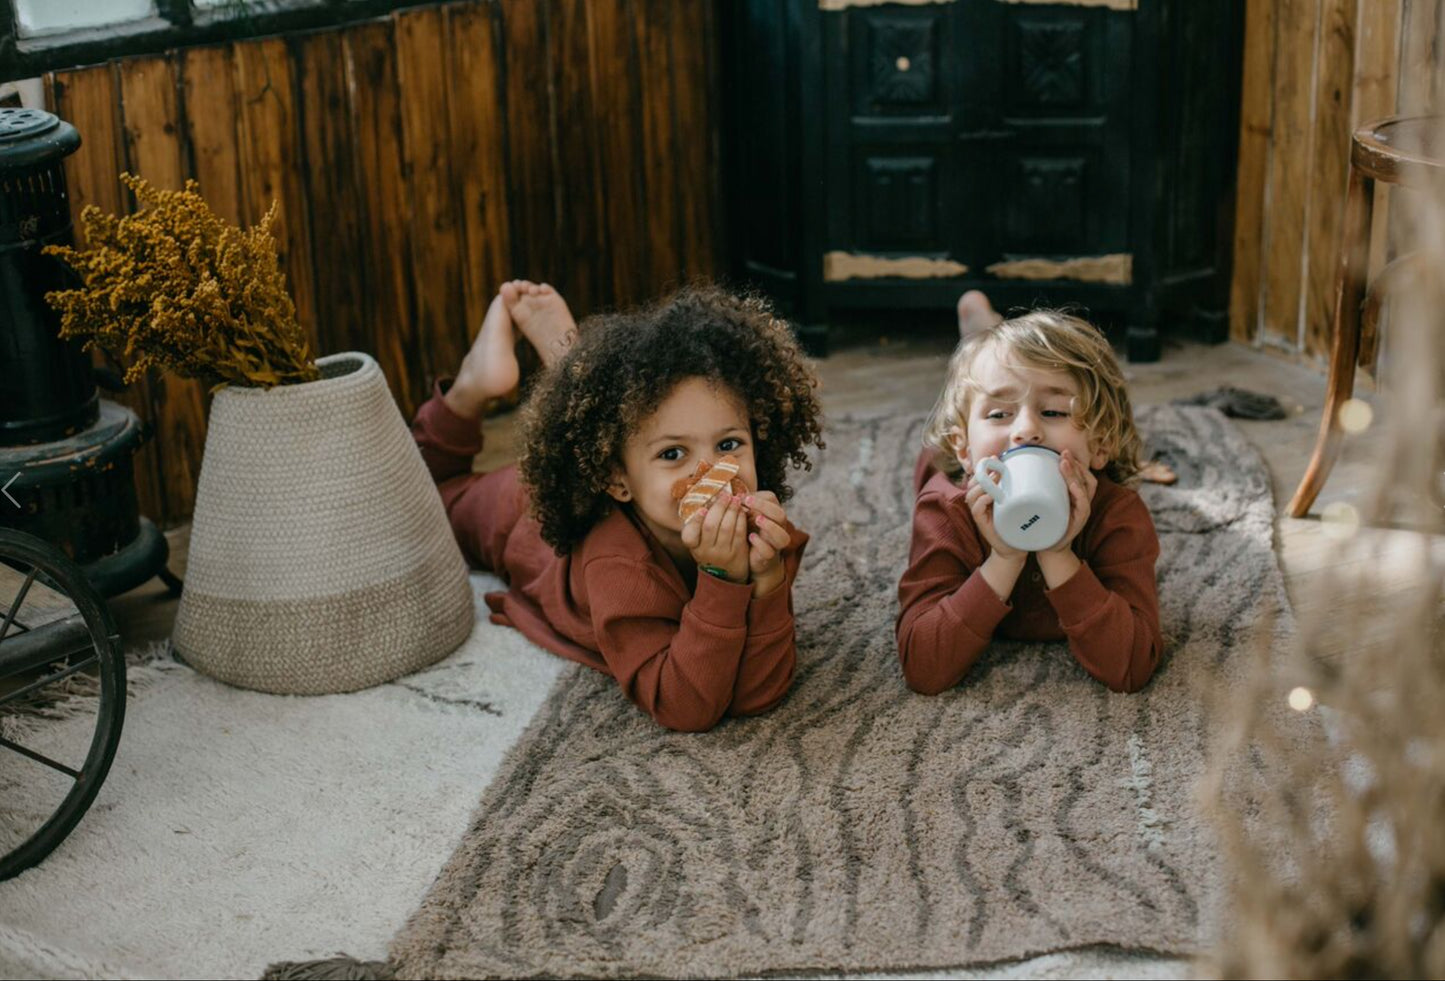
x: 693, y: 618
x: 1043, y: 379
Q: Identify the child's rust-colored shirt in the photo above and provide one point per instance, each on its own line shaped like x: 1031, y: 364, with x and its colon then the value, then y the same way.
x: 617, y: 602
x: 1108, y: 610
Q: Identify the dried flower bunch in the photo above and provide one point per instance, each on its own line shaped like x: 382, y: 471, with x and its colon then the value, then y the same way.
x: 176, y: 286
x: 1328, y: 786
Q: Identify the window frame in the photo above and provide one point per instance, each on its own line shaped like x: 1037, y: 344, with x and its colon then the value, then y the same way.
x: 176, y: 23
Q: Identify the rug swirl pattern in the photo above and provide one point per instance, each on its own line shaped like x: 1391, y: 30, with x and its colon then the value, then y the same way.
x: 860, y: 826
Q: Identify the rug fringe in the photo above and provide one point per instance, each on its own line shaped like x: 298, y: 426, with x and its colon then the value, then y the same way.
x: 75, y: 696
x: 341, y: 968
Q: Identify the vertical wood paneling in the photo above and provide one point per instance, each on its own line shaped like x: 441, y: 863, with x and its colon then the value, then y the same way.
x: 1377, y: 57
x: 209, y: 122
x: 90, y: 100
x: 424, y: 75
x: 1417, y: 88
x: 690, y: 112
x: 333, y: 193
x: 1419, y: 69
x: 1293, y: 160
x: 711, y: 251
x: 151, y: 124
x: 1330, y: 149
x: 271, y: 165
x: 1254, y: 144
x: 653, y: 21
x: 386, y: 226
x: 420, y: 161
x: 1295, y: 21
x: 209, y: 95
x: 581, y: 185
x: 531, y: 139
x: 479, y: 141
x: 618, y: 98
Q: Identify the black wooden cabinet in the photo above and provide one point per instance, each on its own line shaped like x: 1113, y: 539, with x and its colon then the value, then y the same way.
x: 894, y: 155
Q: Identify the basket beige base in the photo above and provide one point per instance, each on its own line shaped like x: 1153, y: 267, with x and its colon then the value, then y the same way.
x: 321, y: 559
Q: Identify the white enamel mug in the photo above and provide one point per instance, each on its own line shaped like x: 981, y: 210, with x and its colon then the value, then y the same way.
x: 1030, y: 499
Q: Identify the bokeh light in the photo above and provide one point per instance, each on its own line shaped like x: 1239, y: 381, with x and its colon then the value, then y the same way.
x: 1355, y: 416
x: 1340, y: 519
x: 1301, y: 699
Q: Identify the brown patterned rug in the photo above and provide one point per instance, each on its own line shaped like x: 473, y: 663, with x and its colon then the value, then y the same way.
x: 860, y: 826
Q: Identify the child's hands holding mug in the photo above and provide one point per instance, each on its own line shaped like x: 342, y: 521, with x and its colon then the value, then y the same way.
x: 765, y: 559
x: 717, y: 536
x: 1081, y: 483
x: 980, y: 504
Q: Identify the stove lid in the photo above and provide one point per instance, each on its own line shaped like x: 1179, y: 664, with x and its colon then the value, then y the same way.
x: 33, y: 136
x: 18, y: 124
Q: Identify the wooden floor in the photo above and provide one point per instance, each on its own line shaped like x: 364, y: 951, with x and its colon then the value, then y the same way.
x: 865, y: 367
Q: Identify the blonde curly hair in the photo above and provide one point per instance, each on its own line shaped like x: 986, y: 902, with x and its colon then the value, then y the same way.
x: 1047, y: 340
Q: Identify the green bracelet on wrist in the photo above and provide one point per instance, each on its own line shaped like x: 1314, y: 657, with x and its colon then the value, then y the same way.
x: 715, y: 572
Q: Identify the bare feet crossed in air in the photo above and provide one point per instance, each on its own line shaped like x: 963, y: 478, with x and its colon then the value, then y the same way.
x: 541, y: 314
x: 491, y: 370
x: 976, y: 313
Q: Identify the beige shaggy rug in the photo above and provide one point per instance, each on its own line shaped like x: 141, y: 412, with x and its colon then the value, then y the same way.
x: 859, y: 826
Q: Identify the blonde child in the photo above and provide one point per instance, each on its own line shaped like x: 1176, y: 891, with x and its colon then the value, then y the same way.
x: 693, y: 619
x: 1043, y: 379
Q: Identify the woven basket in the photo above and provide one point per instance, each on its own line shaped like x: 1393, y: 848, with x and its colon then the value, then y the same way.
x: 320, y: 557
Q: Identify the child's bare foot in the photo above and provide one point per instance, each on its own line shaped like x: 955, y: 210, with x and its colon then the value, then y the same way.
x: 975, y: 313
x: 1158, y: 472
x: 542, y: 316
x: 490, y: 369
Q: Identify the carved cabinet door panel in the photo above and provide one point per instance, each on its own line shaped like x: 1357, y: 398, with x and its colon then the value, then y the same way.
x: 1057, y: 136
x: 975, y: 132
x: 895, y: 181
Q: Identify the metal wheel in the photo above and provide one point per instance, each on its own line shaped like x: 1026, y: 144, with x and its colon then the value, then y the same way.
x: 56, y: 746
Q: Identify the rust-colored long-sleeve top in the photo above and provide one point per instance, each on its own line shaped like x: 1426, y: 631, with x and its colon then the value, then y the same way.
x: 1108, y: 610
x: 616, y: 602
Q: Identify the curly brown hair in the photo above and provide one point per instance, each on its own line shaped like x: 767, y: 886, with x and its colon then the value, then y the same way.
x: 582, y: 410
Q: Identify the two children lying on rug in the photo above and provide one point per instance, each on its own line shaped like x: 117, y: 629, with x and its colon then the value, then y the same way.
x: 693, y: 617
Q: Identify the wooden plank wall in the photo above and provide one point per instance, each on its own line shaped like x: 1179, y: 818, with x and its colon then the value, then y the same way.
x: 1314, y: 70
x: 419, y: 160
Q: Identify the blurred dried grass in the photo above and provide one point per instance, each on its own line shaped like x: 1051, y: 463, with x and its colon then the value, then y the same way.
x: 1327, y: 784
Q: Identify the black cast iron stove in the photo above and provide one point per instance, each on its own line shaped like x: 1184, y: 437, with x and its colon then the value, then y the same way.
x: 66, y: 455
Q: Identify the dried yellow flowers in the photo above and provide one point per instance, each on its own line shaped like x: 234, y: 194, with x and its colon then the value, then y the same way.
x: 176, y: 286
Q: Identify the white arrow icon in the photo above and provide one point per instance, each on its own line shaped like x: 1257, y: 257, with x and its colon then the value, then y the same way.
x: 6, y: 489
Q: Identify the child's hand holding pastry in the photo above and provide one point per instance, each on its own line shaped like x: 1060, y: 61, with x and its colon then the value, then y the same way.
x: 714, y: 524
x: 717, y: 536
x: 767, y: 541
x: 717, y: 509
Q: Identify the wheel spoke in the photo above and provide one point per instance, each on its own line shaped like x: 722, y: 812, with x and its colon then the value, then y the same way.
x: 37, y: 757
x: 19, y: 598
x: 48, y: 679
x: 67, y: 631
